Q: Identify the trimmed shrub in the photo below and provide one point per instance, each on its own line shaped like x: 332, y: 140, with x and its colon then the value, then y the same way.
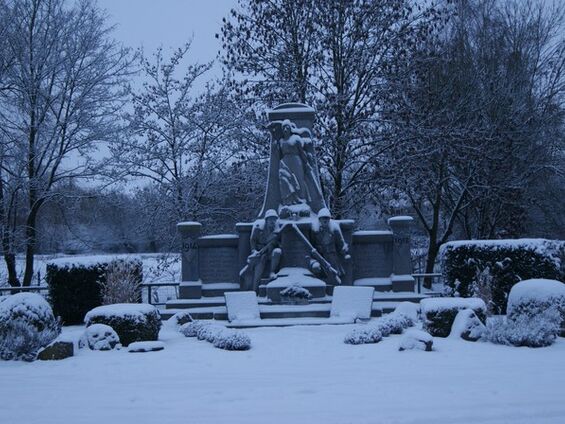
x: 75, y: 289
x: 470, y: 264
x: 538, y: 331
x: 190, y: 329
x: 532, y: 297
x: 370, y: 334
x: 439, y: 313
x: 27, y: 324
x: 134, y: 322
x: 232, y: 340
x: 99, y: 337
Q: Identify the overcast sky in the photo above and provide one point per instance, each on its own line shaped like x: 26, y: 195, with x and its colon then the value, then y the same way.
x: 169, y: 23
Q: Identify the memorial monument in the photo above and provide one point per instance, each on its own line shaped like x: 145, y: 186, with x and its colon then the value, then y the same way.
x: 294, y: 241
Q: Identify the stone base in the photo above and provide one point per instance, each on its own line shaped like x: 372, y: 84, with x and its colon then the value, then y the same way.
x: 190, y: 290
x: 403, y: 283
x: 288, y: 277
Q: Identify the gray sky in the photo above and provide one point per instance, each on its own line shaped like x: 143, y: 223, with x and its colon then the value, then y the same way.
x: 170, y: 23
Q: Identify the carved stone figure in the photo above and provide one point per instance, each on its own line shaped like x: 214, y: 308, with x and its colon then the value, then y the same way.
x: 328, y: 240
x: 265, y: 250
x: 294, y: 186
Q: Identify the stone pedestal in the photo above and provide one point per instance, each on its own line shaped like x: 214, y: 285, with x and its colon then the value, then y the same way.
x: 190, y: 286
x: 402, y: 279
x: 295, y: 254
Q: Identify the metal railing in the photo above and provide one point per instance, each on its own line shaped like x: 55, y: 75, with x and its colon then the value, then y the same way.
x: 31, y: 289
x: 153, y: 296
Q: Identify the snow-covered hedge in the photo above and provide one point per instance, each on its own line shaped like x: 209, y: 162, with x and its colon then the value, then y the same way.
x: 134, y: 322
x: 439, y: 312
x: 469, y: 265
x: 76, y: 287
x: 537, y: 331
x: 220, y: 336
x: 27, y: 324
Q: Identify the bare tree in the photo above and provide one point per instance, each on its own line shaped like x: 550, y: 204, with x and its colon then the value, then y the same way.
x: 183, y: 142
x: 63, y: 98
x: 338, y: 56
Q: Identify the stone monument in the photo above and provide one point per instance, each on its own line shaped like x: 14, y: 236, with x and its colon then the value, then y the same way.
x: 294, y: 241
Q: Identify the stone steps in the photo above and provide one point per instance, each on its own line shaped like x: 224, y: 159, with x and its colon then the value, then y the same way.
x: 218, y: 289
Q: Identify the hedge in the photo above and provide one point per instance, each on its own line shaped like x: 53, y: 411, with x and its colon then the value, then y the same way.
x: 439, y: 312
x: 75, y: 288
x: 499, y: 264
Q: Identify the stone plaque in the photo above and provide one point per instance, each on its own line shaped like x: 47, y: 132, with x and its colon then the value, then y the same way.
x: 372, y: 260
x: 219, y: 264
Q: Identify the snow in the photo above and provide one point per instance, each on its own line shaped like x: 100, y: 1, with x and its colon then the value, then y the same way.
x: 384, y: 281
x: 442, y: 303
x: 220, y: 236
x: 353, y: 302
x: 409, y: 309
x: 400, y: 218
x: 23, y: 302
x: 538, y: 289
x: 242, y: 306
x: 416, y: 339
x: 146, y: 346
x: 121, y: 309
x: 291, y: 375
x: 295, y: 277
x: 372, y: 232
x: 544, y: 247
x: 466, y: 321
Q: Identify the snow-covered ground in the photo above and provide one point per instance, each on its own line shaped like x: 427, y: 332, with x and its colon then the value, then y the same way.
x: 291, y: 375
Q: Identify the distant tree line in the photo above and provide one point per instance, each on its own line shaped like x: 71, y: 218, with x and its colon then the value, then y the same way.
x: 449, y: 110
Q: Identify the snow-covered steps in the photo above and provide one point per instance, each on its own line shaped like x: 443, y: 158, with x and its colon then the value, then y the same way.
x: 218, y: 289
x: 267, y: 311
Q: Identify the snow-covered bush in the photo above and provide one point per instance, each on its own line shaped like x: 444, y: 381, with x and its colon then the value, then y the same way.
x: 179, y: 319
x: 507, y: 262
x: 369, y: 334
x: 232, y: 340
x: 209, y: 332
x: 532, y: 297
x: 141, y: 347
x: 99, y: 337
x: 394, y: 323
x: 27, y: 324
x: 537, y: 331
x: 440, y: 312
x: 220, y: 336
x: 122, y: 281
x: 190, y: 329
x: 467, y: 326
x: 134, y: 322
x: 416, y: 339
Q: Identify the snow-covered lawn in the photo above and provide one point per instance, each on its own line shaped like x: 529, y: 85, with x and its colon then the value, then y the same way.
x: 291, y: 375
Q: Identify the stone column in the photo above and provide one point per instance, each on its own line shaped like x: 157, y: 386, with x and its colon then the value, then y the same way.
x: 190, y: 286
x: 402, y: 279
x: 347, y: 226
x: 244, y: 244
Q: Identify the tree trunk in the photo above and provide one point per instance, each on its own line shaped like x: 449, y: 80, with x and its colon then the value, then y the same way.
x: 31, y: 239
x: 430, y: 263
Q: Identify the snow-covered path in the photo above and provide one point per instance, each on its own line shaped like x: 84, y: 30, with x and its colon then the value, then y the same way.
x: 291, y: 375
